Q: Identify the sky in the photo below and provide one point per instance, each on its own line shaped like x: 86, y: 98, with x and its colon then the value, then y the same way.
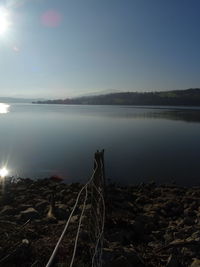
x: 66, y: 48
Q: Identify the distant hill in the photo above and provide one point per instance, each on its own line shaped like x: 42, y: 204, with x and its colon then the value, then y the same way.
x: 188, y: 97
x: 18, y: 100
x: 99, y: 92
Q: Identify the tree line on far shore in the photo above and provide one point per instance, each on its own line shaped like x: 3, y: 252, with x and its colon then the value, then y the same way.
x: 188, y: 97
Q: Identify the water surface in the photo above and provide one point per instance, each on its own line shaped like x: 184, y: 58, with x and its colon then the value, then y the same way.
x: 141, y: 143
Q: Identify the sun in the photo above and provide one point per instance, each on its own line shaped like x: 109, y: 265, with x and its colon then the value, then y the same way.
x: 4, y: 20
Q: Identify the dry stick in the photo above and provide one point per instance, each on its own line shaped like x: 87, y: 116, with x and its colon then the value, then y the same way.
x: 97, y: 196
x: 104, y: 209
x: 94, y: 203
x: 102, y: 230
x: 25, y: 224
x: 95, y: 184
x: 34, y: 264
x: 180, y: 243
x: 68, y: 221
x: 17, y: 245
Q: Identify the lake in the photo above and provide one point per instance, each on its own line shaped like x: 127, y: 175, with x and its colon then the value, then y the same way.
x: 141, y: 143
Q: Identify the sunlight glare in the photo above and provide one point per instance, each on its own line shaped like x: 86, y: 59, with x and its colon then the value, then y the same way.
x: 4, y: 108
x: 3, y: 172
x: 4, y: 20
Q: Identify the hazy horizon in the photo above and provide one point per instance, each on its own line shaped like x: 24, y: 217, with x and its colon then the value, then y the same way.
x: 60, y: 49
x: 91, y: 93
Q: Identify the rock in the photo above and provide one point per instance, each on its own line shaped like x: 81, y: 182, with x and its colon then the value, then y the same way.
x: 50, y: 220
x: 84, y: 235
x: 196, y: 235
x: 195, y: 205
x: 25, y: 242
x: 71, y: 202
x: 120, y: 261
x: 173, y: 208
x: 195, y: 263
x: 29, y: 213
x: 195, y: 193
x: 8, y: 210
x: 168, y: 236
x: 141, y: 200
x: 188, y: 253
x: 179, y: 235
x: 42, y: 206
x: 47, y: 193
x: 133, y: 257
x: 124, y: 236
x: 163, y: 216
x: 87, y: 207
x: 107, y: 256
x: 158, y: 234
x: 188, y: 221
x: 189, y: 212
x: 163, y: 223
x: 172, y: 261
x: 74, y: 218
x: 61, y: 212
x: 123, y: 257
x: 23, y: 207
x: 145, y: 223
x: 61, y: 194
x: 138, y: 228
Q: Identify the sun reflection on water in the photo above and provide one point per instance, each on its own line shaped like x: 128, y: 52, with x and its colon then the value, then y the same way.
x: 4, y: 108
x: 3, y: 172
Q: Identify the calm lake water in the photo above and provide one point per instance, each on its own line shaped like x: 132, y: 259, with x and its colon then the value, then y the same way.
x: 140, y: 143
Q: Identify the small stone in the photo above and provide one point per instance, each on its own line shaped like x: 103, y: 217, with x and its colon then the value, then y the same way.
x: 8, y: 210
x: 50, y: 220
x: 120, y: 261
x: 190, y: 213
x: 61, y: 212
x: 74, y: 218
x: 23, y: 207
x: 195, y: 263
x: 25, y: 242
x: 141, y: 200
x: 172, y: 261
x: 188, y: 221
x: 29, y: 213
x: 42, y: 205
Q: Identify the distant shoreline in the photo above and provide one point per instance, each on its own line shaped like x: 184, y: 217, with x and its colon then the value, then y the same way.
x: 153, y: 106
x: 188, y: 97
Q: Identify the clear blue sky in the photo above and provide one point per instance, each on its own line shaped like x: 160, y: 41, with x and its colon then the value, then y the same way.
x: 97, y: 45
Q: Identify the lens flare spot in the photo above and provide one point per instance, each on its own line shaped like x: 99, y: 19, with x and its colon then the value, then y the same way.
x: 16, y: 49
x: 51, y: 18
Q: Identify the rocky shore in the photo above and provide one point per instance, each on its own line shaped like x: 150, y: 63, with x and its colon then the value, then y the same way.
x: 146, y: 225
